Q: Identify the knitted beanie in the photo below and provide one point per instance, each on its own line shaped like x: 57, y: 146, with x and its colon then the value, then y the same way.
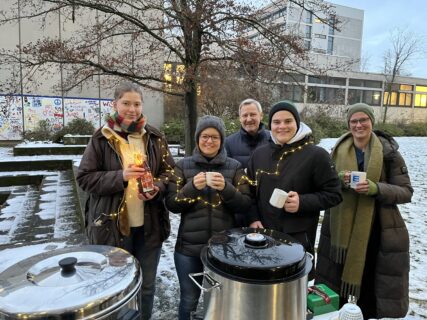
x: 360, y: 107
x: 285, y: 105
x: 210, y: 122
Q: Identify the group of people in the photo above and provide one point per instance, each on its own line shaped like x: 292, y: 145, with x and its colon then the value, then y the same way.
x: 227, y: 182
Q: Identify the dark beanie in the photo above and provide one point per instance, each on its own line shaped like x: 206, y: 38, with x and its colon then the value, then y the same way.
x: 210, y: 122
x: 284, y: 106
x: 360, y: 107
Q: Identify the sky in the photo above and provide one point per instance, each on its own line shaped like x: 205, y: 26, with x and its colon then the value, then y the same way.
x: 382, y: 16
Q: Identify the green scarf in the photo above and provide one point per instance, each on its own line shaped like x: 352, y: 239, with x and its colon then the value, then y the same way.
x: 351, y: 221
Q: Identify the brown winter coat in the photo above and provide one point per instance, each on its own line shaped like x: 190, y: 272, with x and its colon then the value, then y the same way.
x: 100, y: 174
x: 390, y: 277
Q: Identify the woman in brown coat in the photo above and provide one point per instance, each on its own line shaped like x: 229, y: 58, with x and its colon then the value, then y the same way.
x: 364, y: 244
x: 116, y: 212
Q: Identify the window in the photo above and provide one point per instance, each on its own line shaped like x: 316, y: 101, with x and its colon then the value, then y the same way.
x: 332, y: 24
x: 390, y: 100
x: 327, y: 80
x: 421, y: 88
x: 319, y: 36
x: 406, y: 87
x: 307, y: 44
x: 293, y: 93
x: 405, y: 99
x: 325, y: 95
x: 307, y: 32
x: 372, y: 98
x: 421, y: 100
x: 309, y: 17
x: 330, y: 45
x: 365, y: 83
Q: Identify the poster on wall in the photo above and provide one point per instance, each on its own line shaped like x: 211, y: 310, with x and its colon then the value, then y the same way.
x: 82, y: 109
x: 10, y: 118
x: 43, y: 108
x: 106, y: 108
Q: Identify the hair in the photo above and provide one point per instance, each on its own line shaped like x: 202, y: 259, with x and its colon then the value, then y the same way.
x: 124, y: 87
x: 250, y: 101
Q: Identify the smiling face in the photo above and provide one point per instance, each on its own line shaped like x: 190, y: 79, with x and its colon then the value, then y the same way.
x: 360, y: 126
x: 283, y: 126
x: 250, y: 118
x: 129, y: 106
x: 209, y: 142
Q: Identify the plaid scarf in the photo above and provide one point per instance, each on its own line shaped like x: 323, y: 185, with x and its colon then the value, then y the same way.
x: 351, y: 221
x: 119, y: 124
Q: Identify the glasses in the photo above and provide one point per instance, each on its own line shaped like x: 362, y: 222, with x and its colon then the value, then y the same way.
x: 206, y: 137
x: 362, y: 121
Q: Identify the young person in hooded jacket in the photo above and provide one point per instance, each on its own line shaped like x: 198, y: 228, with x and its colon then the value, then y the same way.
x: 364, y: 243
x: 206, y: 204
x: 116, y: 213
x: 292, y: 163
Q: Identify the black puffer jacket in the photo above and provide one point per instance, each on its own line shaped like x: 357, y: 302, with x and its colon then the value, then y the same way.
x: 100, y: 174
x: 306, y: 169
x: 200, y: 220
x: 388, y: 243
x: 241, y: 145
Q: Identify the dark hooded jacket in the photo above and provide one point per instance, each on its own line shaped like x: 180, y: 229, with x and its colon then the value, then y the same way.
x: 100, y: 174
x: 304, y: 168
x: 199, y: 219
x: 240, y: 145
x: 386, y: 272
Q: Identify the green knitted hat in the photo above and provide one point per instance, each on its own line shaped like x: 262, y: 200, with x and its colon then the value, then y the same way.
x: 360, y: 107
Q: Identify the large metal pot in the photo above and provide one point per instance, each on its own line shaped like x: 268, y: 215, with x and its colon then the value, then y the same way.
x: 254, y: 274
x: 86, y: 282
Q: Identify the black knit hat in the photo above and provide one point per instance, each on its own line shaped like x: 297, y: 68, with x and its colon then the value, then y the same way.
x: 284, y: 106
x: 210, y: 122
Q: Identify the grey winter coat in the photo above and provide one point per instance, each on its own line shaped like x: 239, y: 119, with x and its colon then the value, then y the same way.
x: 100, y: 174
x: 391, y: 258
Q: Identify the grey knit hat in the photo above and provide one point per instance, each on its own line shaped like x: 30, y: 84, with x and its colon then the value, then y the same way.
x: 360, y: 107
x: 284, y: 105
x: 210, y: 122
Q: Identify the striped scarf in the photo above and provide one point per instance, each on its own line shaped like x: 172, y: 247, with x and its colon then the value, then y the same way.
x: 119, y: 124
x: 351, y: 221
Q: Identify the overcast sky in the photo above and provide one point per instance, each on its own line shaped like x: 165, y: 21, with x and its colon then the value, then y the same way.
x: 381, y: 16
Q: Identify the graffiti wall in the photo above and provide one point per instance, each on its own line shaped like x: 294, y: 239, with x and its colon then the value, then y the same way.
x: 53, y: 109
x: 10, y: 118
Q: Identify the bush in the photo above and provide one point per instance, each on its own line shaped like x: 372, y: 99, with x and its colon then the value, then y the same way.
x: 415, y: 130
x: 74, y: 127
x: 42, y: 132
x: 395, y: 130
x: 174, y: 131
x: 323, y: 126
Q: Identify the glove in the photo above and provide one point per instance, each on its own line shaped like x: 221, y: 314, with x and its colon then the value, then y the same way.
x: 341, y: 176
x: 372, y: 189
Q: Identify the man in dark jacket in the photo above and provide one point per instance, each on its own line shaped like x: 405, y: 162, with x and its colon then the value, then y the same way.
x: 252, y: 133
x: 292, y: 163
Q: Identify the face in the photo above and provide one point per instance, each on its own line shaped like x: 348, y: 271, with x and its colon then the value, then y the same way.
x: 360, y: 125
x: 129, y: 106
x: 250, y: 118
x: 283, y: 126
x: 209, y: 142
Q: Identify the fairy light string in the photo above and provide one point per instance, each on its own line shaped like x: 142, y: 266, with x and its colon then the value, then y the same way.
x: 217, y: 201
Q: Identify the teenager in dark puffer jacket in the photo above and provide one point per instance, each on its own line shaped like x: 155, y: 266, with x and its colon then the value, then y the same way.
x: 205, y: 209
x: 364, y: 244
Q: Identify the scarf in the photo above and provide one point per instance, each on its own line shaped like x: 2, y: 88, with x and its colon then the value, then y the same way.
x: 119, y: 124
x: 351, y: 221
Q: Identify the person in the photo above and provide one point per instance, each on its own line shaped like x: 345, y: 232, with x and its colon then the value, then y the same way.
x: 116, y: 213
x: 364, y: 244
x: 292, y: 163
x: 206, y: 188
x: 241, y: 144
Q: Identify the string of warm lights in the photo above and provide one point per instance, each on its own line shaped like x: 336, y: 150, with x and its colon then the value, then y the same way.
x: 217, y: 202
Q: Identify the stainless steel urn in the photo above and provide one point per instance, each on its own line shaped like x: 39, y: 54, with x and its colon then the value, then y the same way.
x: 86, y: 282
x: 254, y: 274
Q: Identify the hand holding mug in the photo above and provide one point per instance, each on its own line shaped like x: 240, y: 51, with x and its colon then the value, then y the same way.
x: 215, y: 180
x: 292, y: 202
x: 199, y: 180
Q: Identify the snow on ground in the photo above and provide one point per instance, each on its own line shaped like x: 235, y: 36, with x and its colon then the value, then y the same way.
x: 413, y: 150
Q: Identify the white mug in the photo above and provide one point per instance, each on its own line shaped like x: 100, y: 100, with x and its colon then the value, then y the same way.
x: 209, y: 176
x: 278, y: 198
x: 356, y: 177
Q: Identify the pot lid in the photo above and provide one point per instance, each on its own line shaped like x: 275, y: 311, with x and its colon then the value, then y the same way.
x: 256, y: 255
x: 80, y: 282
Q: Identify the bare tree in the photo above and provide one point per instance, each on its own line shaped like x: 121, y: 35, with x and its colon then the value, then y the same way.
x: 121, y: 38
x: 405, y: 45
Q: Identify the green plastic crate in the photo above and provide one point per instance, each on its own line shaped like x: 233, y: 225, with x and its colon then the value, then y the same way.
x: 317, y: 304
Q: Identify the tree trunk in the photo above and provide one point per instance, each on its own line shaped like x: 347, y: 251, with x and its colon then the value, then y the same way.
x: 190, y: 120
